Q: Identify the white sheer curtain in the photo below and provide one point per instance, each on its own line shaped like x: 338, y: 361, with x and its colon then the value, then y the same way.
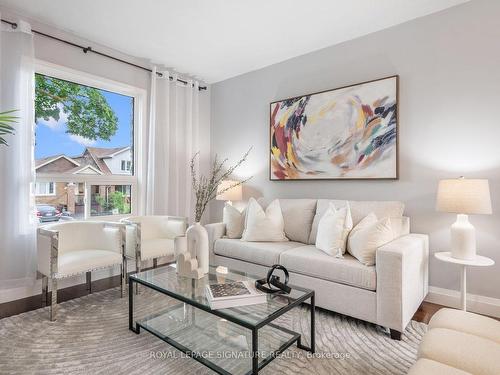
x: 17, y: 226
x: 173, y: 140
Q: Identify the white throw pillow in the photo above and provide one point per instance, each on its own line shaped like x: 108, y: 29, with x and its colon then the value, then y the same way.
x: 234, y: 220
x: 368, y: 236
x: 263, y: 225
x: 333, y: 229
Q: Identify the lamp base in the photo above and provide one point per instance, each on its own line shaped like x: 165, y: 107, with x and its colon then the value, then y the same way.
x: 463, y: 239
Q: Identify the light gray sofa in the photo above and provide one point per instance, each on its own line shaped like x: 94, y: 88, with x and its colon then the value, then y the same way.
x: 387, y: 294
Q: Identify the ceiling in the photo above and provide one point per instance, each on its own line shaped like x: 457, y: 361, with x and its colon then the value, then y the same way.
x: 217, y: 39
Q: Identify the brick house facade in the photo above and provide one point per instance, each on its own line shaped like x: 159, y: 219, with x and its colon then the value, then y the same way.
x: 69, y: 196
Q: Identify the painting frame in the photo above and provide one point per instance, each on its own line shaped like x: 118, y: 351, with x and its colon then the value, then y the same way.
x: 337, y: 178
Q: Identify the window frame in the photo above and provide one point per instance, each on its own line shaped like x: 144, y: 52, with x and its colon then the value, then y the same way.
x: 138, y: 147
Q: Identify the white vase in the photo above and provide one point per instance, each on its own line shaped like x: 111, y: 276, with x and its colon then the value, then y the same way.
x: 197, y: 246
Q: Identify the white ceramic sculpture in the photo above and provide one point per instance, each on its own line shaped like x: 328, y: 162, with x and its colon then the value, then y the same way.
x: 192, y: 252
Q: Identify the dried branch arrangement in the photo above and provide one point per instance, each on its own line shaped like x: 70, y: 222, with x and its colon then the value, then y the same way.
x: 205, y: 188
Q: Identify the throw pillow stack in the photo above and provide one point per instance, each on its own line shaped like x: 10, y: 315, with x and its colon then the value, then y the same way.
x: 255, y: 223
x: 336, y: 234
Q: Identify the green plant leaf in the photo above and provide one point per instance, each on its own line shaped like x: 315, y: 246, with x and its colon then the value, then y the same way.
x: 6, y: 119
x: 89, y: 114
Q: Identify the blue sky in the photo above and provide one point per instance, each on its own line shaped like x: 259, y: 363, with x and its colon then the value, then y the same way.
x: 52, y: 139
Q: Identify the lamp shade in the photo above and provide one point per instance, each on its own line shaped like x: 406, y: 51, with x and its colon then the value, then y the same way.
x: 464, y: 196
x: 227, y: 191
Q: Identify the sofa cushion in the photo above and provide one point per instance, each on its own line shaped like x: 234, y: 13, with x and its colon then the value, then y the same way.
x: 467, y: 322
x: 463, y: 351
x: 310, y: 261
x: 298, y: 216
x: 359, y: 209
x: 263, y: 253
x: 428, y: 367
x: 383, y: 209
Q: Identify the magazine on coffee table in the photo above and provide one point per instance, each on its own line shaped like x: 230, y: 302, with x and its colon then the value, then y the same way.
x: 238, y: 293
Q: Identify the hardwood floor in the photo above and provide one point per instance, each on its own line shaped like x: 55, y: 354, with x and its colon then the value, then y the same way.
x: 426, y: 311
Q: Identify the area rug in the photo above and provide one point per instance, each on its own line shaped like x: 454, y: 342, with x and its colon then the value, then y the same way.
x: 91, y: 336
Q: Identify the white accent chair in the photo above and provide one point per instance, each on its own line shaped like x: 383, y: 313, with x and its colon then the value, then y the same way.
x: 152, y: 237
x: 72, y: 248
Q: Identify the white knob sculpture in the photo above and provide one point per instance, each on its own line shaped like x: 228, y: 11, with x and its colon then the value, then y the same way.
x: 191, y: 252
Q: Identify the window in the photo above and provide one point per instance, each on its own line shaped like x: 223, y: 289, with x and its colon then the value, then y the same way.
x: 85, y: 168
x: 44, y: 188
x: 126, y: 165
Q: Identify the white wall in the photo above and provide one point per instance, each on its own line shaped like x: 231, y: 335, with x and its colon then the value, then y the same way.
x: 67, y: 56
x: 449, y: 68
x: 115, y: 163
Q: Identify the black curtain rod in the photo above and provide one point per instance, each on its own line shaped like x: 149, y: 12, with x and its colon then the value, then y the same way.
x: 89, y: 49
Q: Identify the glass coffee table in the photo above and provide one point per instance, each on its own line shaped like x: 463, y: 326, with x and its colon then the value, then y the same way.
x: 238, y: 340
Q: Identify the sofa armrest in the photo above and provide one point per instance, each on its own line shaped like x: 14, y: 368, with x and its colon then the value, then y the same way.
x: 402, y: 268
x: 215, y: 231
x: 47, y: 251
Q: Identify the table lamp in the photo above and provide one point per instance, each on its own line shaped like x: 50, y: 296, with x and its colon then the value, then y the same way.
x: 229, y: 191
x: 463, y: 197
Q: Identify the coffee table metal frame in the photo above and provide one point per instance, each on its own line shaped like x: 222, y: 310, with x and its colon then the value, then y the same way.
x: 256, y: 366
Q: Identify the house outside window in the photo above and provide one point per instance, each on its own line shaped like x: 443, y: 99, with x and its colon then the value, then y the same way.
x: 86, y: 171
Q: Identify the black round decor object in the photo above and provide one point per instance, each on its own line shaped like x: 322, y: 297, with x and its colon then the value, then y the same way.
x: 272, y: 284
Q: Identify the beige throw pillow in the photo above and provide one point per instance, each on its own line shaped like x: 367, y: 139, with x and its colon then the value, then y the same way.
x: 333, y: 229
x: 263, y: 225
x: 234, y: 220
x: 368, y: 236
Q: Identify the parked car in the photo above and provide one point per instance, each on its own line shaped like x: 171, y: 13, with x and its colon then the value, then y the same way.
x: 46, y: 213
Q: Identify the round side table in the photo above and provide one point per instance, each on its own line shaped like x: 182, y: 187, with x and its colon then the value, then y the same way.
x: 480, y: 261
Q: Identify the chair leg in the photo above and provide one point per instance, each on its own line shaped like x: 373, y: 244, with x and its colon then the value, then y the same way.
x: 45, y: 291
x: 53, y: 303
x: 88, y: 275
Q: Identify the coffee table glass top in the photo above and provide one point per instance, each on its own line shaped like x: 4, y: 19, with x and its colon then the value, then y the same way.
x: 166, y: 280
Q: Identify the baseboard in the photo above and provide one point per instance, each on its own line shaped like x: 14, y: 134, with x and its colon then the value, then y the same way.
x: 475, y: 303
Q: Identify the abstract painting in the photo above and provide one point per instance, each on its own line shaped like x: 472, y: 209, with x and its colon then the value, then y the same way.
x: 344, y: 133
